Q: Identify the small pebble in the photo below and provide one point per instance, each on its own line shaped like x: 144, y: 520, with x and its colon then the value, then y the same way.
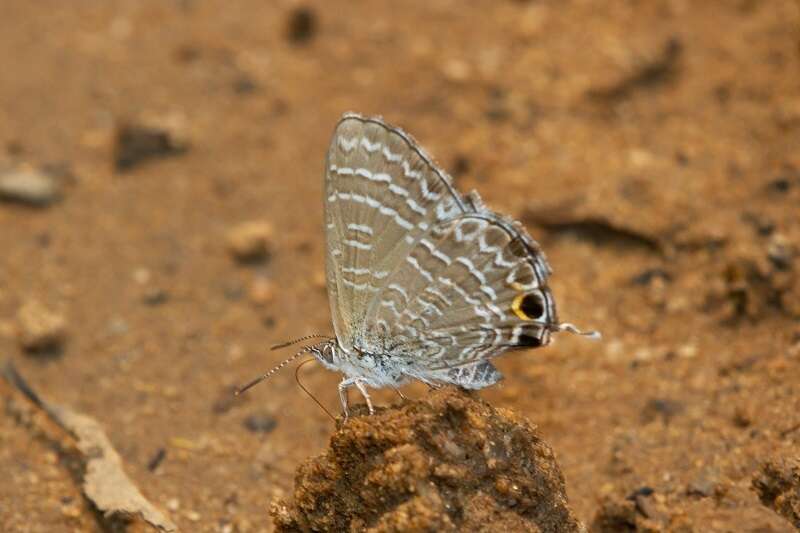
x: 157, y: 459
x: 173, y: 504
x: 29, y: 187
x: 664, y: 408
x: 704, y: 483
x: 250, y: 241
x: 137, y: 142
x: 262, y: 291
x: 780, y: 252
x: 227, y: 400
x: 780, y: 185
x: 71, y: 510
x: 155, y: 296
x: 260, y: 423
x: 301, y: 26
x: 40, y: 329
x: 141, y: 276
x: 456, y: 70
x: 687, y: 351
x: 244, y: 85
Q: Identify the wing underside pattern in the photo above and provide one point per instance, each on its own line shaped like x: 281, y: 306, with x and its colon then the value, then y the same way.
x: 420, y: 274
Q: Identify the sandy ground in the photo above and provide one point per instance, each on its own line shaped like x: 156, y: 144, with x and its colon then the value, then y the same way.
x: 651, y: 147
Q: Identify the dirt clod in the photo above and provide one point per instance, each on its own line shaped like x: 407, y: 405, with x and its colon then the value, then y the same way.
x: 261, y: 291
x: 777, y: 484
x: 637, y: 513
x: 137, y: 142
x: 29, y: 187
x: 40, y: 329
x: 249, y: 241
x: 260, y: 423
x: 449, y: 462
x: 302, y: 25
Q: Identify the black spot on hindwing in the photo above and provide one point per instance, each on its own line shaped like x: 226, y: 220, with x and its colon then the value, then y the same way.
x: 532, y: 305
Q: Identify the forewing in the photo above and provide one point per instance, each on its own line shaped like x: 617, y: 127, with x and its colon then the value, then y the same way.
x: 382, y: 192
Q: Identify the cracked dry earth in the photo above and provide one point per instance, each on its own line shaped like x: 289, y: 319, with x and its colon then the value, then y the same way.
x: 160, y: 227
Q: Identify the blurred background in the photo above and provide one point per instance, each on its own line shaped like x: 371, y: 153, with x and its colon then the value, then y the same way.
x: 161, y: 226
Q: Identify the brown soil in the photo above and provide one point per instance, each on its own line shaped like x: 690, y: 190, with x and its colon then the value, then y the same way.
x: 651, y: 147
x: 446, y: 463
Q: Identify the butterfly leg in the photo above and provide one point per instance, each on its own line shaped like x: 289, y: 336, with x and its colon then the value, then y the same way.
x: 400, y: 393
x: 363, y: 389
x: 345, y: 383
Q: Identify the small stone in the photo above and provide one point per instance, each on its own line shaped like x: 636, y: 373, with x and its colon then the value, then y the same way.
x: 640, y: 158
x: 456, y: 70
x: 260, y: 423
x: 780, y: 184
x: 235, y: 352
x: 250, y: 241
x: 29, y: 187
x: 157, y: 459
x: 244, y: 85
x: 137, y: 142
x: 155, y: 296
x: 687, y: 351
x: 742, y: 418
x: 40, y: 329
x: 173, y: 504
x: 227, y: 400
x: 192, y: 516
x: 262, y: 291
x: 141, y: 276
x: 71, y: 510
x: 780, y: 252
x: 703, y: 484
x: 301, y: 26
x: 664, y: 408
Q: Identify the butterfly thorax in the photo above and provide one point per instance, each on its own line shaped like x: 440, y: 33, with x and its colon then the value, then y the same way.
x: 372, y: 367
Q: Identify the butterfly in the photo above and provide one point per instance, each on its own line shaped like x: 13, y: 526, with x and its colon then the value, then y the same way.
x: 424, y: 283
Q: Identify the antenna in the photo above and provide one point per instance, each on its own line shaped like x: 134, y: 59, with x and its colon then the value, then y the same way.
x: 301, y: 339
x: 274, y: 369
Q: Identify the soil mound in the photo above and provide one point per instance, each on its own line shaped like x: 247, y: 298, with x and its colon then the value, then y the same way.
x: 448, y: 462
x: 778, y: 487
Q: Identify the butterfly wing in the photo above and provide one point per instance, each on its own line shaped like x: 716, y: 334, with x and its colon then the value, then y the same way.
x: 382, y: 192
x: 472, y: 288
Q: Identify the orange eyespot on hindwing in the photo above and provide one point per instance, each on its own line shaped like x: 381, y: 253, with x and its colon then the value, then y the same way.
x: 528, y: 306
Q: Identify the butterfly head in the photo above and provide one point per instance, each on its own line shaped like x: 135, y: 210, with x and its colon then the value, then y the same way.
x: 326, y: 352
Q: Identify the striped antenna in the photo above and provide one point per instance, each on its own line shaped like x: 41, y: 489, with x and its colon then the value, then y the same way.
x: 301, y: 339
x: 274, y: 369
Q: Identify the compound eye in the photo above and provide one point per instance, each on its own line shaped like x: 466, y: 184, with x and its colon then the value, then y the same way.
x: 327, y: 353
